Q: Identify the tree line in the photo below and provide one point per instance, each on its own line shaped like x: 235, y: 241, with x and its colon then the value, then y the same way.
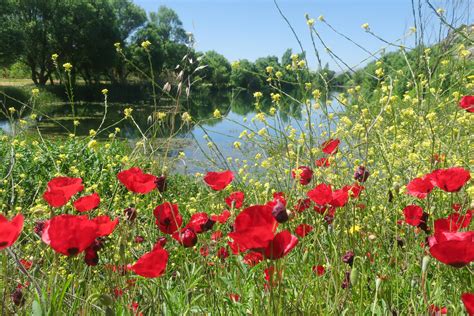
x: 118, y: 42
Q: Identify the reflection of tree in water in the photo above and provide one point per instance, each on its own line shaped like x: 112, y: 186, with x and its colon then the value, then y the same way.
x: 200, y: 106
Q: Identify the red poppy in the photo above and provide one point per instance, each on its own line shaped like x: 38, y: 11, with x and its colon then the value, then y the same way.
x: 204, y: 251
x: 87, y: 203
x: 168, y: 218
x: 453, y: 248
x: 437, y: 311
x: 330, y: 146
x: 215, y: 236
x: 323, y: 162
x: 468, y: 300
x: 303, y: 229
x: 105, y: 226
x: 26, y: 264
x: 467, y: 103
x: 420, y: 187
x: 302, y: 205
x: 281, y: 245
x: 60, y: 190
x: 151, y: 264
x: 353, y: 190
x: 186, y: 237
x: 235, y: 198
x: 453, y: 222
x: 200, y: 222
x: 278, y: 197
x: 254, y: 227
x: 218, y: 181
x: 221, y: 218
x: 10, y: 230
x: 136, y: 181
x: 234, y: 297
x: 91, y: 257
x: 305, y: 174
x: 321, y: 194
x: 413, y: 215
x: 222, y: 253
x: 451, y: 179
x: 72, y: 234
x: 253, y: 258
x: 339, y: 198
x: 319, y: 270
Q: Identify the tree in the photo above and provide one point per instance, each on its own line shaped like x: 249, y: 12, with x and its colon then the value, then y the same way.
x: 244, y: 76
x: 217, y: 71
x: 11, y: 43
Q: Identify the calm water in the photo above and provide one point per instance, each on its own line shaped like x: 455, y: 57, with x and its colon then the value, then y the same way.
x: 236, y: 116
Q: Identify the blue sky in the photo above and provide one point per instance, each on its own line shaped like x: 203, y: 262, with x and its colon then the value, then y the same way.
x: 253, y: 28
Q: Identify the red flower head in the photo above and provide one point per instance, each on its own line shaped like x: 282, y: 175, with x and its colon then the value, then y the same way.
x: 222, y: 253
x: 221, y: 218
x: 71, y: 234
x: 451, y: 179
x: 10, y: 230
x: 254, y: 227
x: 302, y: 205
x: 281, y: 245
x: 303, y: 229
x: 234, y: 297
x: 420, y: 187
x: 321, y: 194
x: 200, y: 222
x: 468, y: 300
x: 330, y: 146
x: 323, y: 162
x: 437, y: 311
x: 105, y: 226
x: 186, y: 237
x: 467, y: 103
x: 161, y: 184
x: 60, y: 190
x: 279, y: 212
x: 219, y: 180
x: 168, y: 218
x: 151, y: 264
x: 305, y: 174
x: 253, y: 258
x: 87, y: 203
x: 353, y: 190
x: 453, y: 248
x: 453, y: 222
x: 319, y: 270
x: 136, y: 181
x: 361, y: 174
x: 236, y: 198
x: 413, y: 215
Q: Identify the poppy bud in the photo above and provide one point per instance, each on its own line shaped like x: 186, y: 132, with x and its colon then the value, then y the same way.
x: 354, y: 276
x: 39, y: 226
x: 139, y: 239
x: 17, y: 297
x: 361, y: 174
x: 348, y: 257
x: 347, y: 280
x: 329, y: 219
x: 207, y: 225
x: 424, y: 264
x: 161, y: 184
x: 279, y: 212
x: 91, y: 257
x: 187, y: 238
x: 130, y: 213
x: 222, y: 253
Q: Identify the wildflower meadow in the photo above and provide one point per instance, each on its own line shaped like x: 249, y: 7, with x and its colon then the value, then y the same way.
x: 346, y: 193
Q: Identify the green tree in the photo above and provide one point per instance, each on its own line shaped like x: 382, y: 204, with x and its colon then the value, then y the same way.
x: 244, y: 76
x: 217, y: 71
x: 11, y: 43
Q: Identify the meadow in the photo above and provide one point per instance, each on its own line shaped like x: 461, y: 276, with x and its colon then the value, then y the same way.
x: 363, y: 208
